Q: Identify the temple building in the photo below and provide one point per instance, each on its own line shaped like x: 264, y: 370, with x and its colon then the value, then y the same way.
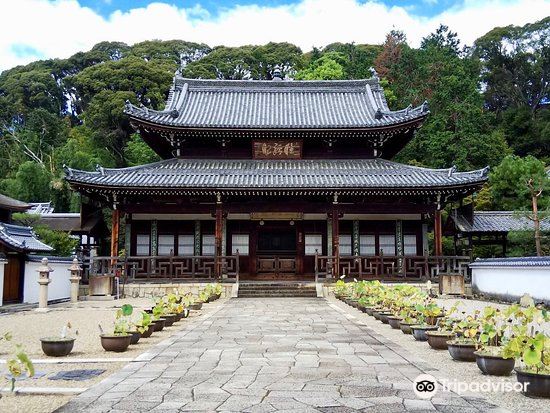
x: 276, y: 179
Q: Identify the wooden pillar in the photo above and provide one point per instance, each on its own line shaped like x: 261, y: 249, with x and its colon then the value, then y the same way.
x: 438, y: 243
x: 218, y: 234
x: 300, y: 247
x: 336, y: 236
x: 115, y: 226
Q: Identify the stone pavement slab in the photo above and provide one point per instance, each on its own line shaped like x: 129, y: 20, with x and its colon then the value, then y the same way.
x: 271, y: 355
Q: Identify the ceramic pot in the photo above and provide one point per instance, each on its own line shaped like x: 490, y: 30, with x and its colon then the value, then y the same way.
x: 394, y: 321
x: 539, y: 384
x: 419, y: 332
x: 117, y: 343
x: 494, y: 365
x: 438, y: 340
x: 462, y: 351
x: 57, y: 346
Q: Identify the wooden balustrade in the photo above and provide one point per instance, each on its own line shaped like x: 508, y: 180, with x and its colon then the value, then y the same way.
x: 390, y: 267
x: 135, y: 268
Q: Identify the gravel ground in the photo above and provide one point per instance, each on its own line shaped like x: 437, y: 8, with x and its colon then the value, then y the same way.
x: 28, y: 327
x: 31, y: 404
x: 450, y: 369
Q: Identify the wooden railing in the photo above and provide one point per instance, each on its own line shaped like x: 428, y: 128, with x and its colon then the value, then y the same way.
x: 390, y: 267
x: 165, y: 267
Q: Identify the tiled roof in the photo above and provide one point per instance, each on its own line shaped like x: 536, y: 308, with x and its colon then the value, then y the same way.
x: 12, y: 204
x: 21, y: 238
x: 40, y: 208
x: 290, y: 104
x: 496, y: 221
x: 512, y: 262
x: 248, y: 174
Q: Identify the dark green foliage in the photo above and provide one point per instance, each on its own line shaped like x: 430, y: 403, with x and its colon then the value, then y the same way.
x: 485, y: 103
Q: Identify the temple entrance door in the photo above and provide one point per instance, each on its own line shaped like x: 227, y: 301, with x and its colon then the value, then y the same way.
x: 276, y: 250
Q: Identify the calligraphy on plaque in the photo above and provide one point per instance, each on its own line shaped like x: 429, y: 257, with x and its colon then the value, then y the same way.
x: 277, y: 149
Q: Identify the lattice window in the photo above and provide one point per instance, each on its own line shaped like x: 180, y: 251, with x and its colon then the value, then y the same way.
x: 313, y: 242
x: 409, y: 244
x: 143, y: 244
x: 345, y: 244
x: 186, y: 245
x: 367, y: 244
x: 239, y: 242
x: 387, y: 244
x: 166, y: 244
x: 208, y: 245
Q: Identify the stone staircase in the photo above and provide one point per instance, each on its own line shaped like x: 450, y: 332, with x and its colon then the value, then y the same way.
x: 277, y: 289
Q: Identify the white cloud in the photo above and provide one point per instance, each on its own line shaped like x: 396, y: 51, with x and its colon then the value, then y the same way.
x: 62, y: 27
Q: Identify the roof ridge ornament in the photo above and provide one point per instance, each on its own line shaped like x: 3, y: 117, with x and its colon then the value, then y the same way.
x: 425, y: 107
x: 374, y: 73
x: 277, y: 76
x: 452, y: 170
x: 100, y: 169
x: 379, y: 114
x: 174, y: 113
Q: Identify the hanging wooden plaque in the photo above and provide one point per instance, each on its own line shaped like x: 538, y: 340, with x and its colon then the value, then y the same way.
x: 277, y: 149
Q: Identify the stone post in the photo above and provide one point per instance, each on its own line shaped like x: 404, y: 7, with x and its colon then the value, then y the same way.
x: 44, y: 271
x: 75, y: 270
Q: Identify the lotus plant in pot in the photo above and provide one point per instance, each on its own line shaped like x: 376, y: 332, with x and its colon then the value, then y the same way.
x: 531, y: 347
x: 491, y: 358
x: 144, y: 324
x: 157, y: 317
x: 58, y: 346
x: 340, y: 289
x: 19, y: 364
x: 438, y: 339
x: 427, y: 317
x: 119, y: 339
x: 464, y: 346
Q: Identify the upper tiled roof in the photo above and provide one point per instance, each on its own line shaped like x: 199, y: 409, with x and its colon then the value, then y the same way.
x: 496, y: 221
x: 21, y: 238
x: 249, y: 174
x: 12, y: 204
x: 253, y: 104
x: 512, y: 262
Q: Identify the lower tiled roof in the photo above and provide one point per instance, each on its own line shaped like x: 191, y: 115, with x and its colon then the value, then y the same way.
x: 496, y: 221
x: 21, y: 239
x: 512, y: 262
x: 226, y: 174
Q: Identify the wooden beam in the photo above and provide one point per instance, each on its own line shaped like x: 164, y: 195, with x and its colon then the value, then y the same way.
x: 336, y: 238
x: 218, y: 236
x: 438, y: 241
x: 115, y: 226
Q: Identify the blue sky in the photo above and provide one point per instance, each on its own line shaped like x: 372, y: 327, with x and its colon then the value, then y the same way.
x: 42, y: 29
x: 426, y: 8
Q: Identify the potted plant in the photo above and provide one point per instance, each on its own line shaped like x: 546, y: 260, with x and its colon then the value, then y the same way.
x: 427, y: 317
x: 158, y: 321
x: 438, y: 339
x: 463, y: 347
x: 58, y: 346
x: 145, y: 325
x: 491, y: 358
x: 531, y: 347
x: 119, y: 339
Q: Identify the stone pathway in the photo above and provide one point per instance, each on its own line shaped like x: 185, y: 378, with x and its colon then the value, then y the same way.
x: 272, y: 354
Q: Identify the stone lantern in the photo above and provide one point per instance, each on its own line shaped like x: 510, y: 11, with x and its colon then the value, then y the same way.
x: 75, y: 278
x: 44, y: 271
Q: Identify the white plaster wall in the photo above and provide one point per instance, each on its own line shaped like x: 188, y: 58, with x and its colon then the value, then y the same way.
x: 510, y: 283
x: 58, y: 289
x: 2, y: 266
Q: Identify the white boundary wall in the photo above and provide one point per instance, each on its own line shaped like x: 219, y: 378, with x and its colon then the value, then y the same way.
x: 2, y: 268
x: 509, y: 283
x: 58, y: 289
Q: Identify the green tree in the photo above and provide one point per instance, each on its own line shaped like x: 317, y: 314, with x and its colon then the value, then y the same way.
x: 137, y: 152
x: 509, y: 183
x: 32, y: 183
x: 328, y: 67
